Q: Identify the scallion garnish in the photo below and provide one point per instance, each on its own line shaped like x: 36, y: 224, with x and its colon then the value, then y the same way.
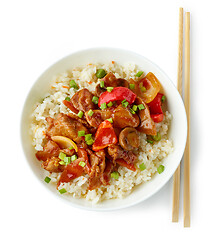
x: 100, y: 73
x: 67, y: 160
x: 110, y: 120
x: 95, y: 100
x: 82, y: 164
x: 143, y: 89
x: 90, y: 141
x: 81, y: 133
x: 62, y: 191
x: 142, y: 167
x: 73, y: 84
x: 70, y: 148
x: 47, y: 179
x: 157, y: 137
x: 160, y: 169
x: 90, y: 113
x: 62, y: 163
x: 138, y: 74
x: 114, y: 175
x: 135, y: 108
x: 141, y: 107
x: 132, y: 111
x: 62, y: 155
x: 124, y: 103
x: 73, y: 158
x: 102, y: 84
x: 109, y: 89
x: 80, y: 114
x: 150, y: 141
x: 131, y: 86
x: 163, y: 98
x: 88, y: 137
x: 67, y: 98
x: 110, y: 104
x: 103, y: 106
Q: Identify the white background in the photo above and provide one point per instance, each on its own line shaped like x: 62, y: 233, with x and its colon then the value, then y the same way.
x: 35, y: 34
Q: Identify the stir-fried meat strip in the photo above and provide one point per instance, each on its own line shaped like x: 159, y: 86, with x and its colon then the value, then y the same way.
x: 98, y: 117
x: 147, y: 125
x: 116, y: 152
x: 106, y: 174
x: 49, y: 150
x: 82, y: 100
x: 122, y: 118
x: 97, y: 161
x: 65, y: 126
x: 52, y: 165
x: 111, y: 81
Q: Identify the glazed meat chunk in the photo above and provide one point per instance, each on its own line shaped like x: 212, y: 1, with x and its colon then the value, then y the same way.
x: 82, y: 100
x: 65, y: 126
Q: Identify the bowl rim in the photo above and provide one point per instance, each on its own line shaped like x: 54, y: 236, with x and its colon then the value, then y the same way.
x: 93, y: 207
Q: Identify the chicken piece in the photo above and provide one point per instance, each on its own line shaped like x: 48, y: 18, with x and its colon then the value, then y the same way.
x: 97, y: 161
x: 147, y: 124
x: 52, y: 165
x: 98, y: 116
x: 82, y: 100
x: 49, y: 150
x: 116, y: 152
x: 65, y: 126
x: 122, y: 118
x: 129, y: 138
x: 106, y: 174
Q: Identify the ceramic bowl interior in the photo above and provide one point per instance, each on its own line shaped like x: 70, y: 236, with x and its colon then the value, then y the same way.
x: 177, y: 132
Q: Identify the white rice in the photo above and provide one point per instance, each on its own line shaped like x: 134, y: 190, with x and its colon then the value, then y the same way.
x: 150, y: 155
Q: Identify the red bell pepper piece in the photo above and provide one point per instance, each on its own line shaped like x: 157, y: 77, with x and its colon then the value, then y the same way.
x: 118, y: 93
x: 105, y: 136
x: 155, y: 108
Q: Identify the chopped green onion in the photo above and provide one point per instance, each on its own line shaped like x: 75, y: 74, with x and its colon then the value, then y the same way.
x: 47, y: 179
x: 150, y: 141
x: 82, y: 164
x: 102, y: 84
x: 115, y: 175
x: 62, y: 163
x: 131, y: 86
x: 132, y: 111
x: 81, y: 133
x: 110, y: 104
x: 138, y: 74
x: 157, y: 137
x: 125, y: 103
x: 141, y: 107
x: 73, y: 84
x: 62, y: 155
x: 135, y: 108
x: 160, y: 169
x: 73, y: 158
x: 80, y: 114
x: 100, y: 73
x: 110, y: 120
x: 90, y: 141
x: 163, y: 98
x: 109, y: 89
x: 88, y: 137
x: 103, y: 106
x: 67, y: 160
x: 62, y: 191
x: 90, y: 113
x: 143, y: 89
x: 70, y: 148
x: 67, y: 98
x: 142, y: 167
x: 95, y: 100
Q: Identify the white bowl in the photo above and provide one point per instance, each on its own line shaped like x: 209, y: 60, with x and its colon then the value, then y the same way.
x: 177, y: 132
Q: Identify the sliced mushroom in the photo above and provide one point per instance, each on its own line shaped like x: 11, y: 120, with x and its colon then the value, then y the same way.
x: 129, y: 138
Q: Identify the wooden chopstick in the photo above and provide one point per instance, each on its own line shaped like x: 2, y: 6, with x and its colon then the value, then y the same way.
x: 176, y: 177
x: 186, y: 198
